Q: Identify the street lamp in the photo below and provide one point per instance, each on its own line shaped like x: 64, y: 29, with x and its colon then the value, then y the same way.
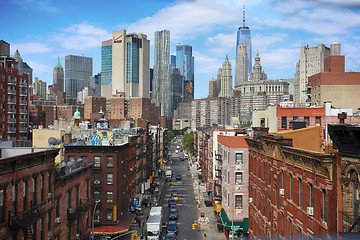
x: 93, y: 218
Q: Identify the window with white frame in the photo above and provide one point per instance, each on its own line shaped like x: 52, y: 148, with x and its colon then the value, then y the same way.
x: 238, y: 178
x: 238, y: 158
x: 97, y: 161
x: 109, y: 215
x: 109, y: 178
x: 109, y: 195
x: 238, y: 201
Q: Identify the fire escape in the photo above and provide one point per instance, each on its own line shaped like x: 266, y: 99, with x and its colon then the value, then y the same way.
x: 81, y: 209
x: 26, y: 221
x: 218, y: 176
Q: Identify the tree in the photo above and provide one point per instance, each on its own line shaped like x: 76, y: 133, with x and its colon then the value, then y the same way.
x: 188, y: 142
x: 169, y: 136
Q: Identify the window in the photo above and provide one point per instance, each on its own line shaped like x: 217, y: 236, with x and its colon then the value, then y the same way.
x: 57, y: 208
x: 34, y: 190
x: 307, y: 121
x: 96, y: 178
x: 282, y: 180
x: 109, y: 161
x: 282, y: 224
x: 77, y: 196
x: 269, y: 175
x: 109, y: 178
x: 42, y: 188
x: 325, y: 210
x: 238, y: 201
x: 238, y: 178
x: 262, y: 122
x: 96, y: 195
x: 311, y: 195
x: 96, y: 161
x: 49, y: 182
x: 25, y: 196
x: 109, y: 196
x: 317, y: 121
x: 69, y: 199
x: 239, y: 158
x: 2, y: 205
x: 284, y: 122
x: 291, y: 186
x: 300, y: 192
x: 109, y: 215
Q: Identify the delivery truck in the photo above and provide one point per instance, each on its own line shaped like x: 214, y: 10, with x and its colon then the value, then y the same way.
x: 153, y: 227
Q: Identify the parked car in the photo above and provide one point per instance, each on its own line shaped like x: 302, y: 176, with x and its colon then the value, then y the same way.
x: 173, y: 208
x: 171, y: 227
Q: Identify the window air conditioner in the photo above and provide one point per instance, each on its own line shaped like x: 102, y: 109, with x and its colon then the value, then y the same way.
x: 57, y: 220
x: 69, y: 210
x: 109, y: 201
x: 49, y: 195
x: 310, y: 211
x: 281, y: 191
x: 250, y: 200
x: 109, y: 165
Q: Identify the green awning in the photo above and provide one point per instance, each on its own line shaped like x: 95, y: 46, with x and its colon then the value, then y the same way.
x: 240, y: 225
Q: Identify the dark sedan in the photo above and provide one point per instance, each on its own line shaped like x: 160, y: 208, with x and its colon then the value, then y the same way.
x: 171, y: 227
x: 173, y: 215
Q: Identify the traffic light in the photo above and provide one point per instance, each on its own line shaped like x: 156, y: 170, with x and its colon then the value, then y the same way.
x: 134, y: 236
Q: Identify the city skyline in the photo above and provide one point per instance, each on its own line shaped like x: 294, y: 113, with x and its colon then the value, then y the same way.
x: 279, y: 29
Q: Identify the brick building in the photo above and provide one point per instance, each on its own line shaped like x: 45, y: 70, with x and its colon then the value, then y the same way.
x: 93, y: 104
x: 335, y: 85
x: 346, y: 140
x: 293, y: 191
x: 233, y: 171
x: 41, y: 201
x: 14, y: 96
x: 112, y: 180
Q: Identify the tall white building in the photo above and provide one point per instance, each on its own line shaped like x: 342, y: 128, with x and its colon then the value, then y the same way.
x: 311, y: 62
x: 241, y: 70
x: 126, y: 65
x: 226, y: 79
x: 162, y: 89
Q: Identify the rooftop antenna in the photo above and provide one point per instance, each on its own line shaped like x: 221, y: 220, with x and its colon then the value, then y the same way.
x: 244, y: 15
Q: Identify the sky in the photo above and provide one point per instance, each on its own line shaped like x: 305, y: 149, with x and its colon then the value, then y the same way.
x: 42, y: 30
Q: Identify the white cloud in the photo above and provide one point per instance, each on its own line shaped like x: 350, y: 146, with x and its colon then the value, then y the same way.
x: 261, y: 42
x: 206, y: 64
x: 186, y: 20
x: 81, y: 36
x: 39, y: 68
x: 30, y: 47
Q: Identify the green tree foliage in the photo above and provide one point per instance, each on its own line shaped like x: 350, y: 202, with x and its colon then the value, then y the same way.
x: 188, y: 142
x: 169, y: 136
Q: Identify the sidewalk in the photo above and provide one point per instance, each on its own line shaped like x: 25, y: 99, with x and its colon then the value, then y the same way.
x: 141, y: 230
x: 209, y: 230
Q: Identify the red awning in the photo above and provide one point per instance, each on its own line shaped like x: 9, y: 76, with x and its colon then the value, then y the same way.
x: 123, y: 225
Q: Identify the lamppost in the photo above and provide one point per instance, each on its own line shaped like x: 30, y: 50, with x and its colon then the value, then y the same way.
x: 93, y: 218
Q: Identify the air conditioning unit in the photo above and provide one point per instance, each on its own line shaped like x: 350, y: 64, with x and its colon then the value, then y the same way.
x: 109, y: 201
x: 310, y: 211
x: 109, y: 165
x: 97, y: 165
x: 96, y: 181
x: 250, y: 200
x: 49, y: 195
x: 70, y: 210
x: 282, y: 191
x: 77, y: 236
x: 238, y: 167
x: 57, y: 220
x: 96, y: 220
x: 49, y: 235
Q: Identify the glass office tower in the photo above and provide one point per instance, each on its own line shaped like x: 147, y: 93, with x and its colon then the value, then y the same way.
x: 185, y: 62
x: 244, y: 38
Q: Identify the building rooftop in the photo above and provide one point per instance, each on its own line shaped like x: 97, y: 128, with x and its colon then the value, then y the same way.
x: 233, y: 141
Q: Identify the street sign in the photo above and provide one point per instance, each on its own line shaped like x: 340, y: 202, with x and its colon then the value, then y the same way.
x: 136, y: 201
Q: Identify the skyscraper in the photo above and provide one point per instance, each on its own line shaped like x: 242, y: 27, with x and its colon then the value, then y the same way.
x: 241, y: 70
x: 23, y: 66
x: 244, y: 38
x: 185, y: 62
x: 162, y: 90
x: 78, y: 70
x: 311, y: 62
x: 58, y: 77
x: 226, y: 79
x: 126, y: 65
x: 40, y: 88
x: 4, y: 48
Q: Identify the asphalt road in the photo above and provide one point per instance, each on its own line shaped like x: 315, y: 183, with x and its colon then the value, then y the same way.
x: 186, y: 206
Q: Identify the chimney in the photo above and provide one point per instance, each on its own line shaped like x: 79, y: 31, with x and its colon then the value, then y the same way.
x: 342, y: 116
x: 67, y: 138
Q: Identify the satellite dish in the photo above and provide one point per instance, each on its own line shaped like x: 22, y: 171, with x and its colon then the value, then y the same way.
x: 53, y: 141
x: 71, y: 164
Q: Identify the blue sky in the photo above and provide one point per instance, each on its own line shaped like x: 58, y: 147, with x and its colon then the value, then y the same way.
x: 42, y: 30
